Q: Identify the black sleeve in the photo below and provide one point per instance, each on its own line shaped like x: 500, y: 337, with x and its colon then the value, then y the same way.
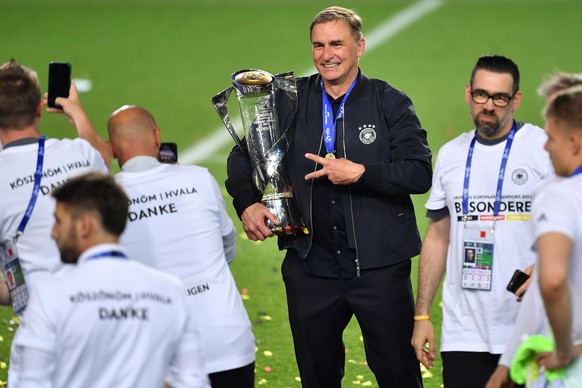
x: 436, y: 215
x: 410, y: 168
x: 239, y: 183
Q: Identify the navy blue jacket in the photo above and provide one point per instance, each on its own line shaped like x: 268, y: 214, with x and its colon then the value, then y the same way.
x: 380, y: 130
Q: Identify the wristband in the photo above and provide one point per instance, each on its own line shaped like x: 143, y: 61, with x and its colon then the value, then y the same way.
x: 422, y: 317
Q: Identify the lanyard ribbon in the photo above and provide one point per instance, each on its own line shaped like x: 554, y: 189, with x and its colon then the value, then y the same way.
x: 35, y: 189
x: 577, y: 171
x: 329, y: 126
x: 500, y: 177
x: 115, y: 254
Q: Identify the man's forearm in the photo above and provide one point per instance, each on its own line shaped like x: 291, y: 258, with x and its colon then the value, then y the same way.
x: 432, y: 263
x: 559, y: 310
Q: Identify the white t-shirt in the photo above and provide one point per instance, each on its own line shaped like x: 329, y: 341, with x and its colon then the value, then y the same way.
x: 63, y: 159
x: 38, y: 253
x: 479, y: 320
x: 109, y: 322
x: 178, y: 217
x: 557, y: 208
x: 531, y: 317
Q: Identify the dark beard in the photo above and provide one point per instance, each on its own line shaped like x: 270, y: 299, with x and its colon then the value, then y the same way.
x: 69, y: 255
x: 488, y: 129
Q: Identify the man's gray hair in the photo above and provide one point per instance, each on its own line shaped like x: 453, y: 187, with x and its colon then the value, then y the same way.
x: 335, y: 13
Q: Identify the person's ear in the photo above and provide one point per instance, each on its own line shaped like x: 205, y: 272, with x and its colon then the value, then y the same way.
x: 360, y: 47
x: 111, y: 150
x: 468, y: 94
x: 157, y: 137
x: 85, y: 225
x: 39, y: 109
x: 576, y: 140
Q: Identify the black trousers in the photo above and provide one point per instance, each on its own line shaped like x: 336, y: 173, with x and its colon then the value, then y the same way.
x: 243, y: 377
x: 468, y: 369
x: 320, y: 309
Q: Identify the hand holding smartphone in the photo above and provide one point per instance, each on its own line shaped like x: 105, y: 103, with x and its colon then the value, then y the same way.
x: 168, y: 153
x: 519, y: 277
x: 59, y: 82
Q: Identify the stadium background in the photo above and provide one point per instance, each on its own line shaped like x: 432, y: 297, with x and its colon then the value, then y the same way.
x: 172, y: 56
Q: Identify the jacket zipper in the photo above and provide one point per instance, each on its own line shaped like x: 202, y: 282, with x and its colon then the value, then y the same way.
x: 311, y: 231
x: 350, y: 197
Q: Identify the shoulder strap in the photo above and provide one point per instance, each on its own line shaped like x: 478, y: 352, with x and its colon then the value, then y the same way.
x: 35, y: 189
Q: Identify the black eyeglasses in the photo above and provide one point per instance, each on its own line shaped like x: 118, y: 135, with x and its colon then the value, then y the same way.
x: 500, y: 100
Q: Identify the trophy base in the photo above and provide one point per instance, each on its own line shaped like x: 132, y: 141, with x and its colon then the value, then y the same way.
x: 283, y: 206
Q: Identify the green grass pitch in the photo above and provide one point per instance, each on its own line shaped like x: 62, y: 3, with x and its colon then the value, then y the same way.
x: 173, y: 56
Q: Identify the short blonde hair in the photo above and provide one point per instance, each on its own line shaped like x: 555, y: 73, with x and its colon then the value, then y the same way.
x: 566, y: 106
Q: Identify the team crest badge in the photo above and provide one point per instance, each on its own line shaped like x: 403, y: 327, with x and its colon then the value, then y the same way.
x: 367, y: 133
x: 519, y: 176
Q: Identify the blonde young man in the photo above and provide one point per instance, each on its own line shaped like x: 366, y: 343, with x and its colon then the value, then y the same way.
x: 558, y: 232
x: 532, y: 315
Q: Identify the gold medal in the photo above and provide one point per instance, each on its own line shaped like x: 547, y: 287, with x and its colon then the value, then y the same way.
x: 329, y: 155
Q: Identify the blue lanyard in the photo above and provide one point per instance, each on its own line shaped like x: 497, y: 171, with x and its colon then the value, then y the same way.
x: 500, y: 176
x: 329, y: 127
x: 114, y: 254
x: 577, y: 171
x: 35, y: 189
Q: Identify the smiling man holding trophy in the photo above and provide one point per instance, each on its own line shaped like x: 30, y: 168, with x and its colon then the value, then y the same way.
x: 353, y: 150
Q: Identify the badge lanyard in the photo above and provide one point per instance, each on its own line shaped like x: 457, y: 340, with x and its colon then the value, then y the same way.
x: 576, y: 172
x: 10, y: 258
x: 109, y: 254
x: 35, y: 189
x: 500, y: 177
x: 329, y: 126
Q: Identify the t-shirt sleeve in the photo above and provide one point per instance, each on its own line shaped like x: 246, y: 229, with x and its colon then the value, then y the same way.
x: 38, y: 367
x: 227, y: 228
x: 437, y: 199
x: 95, y: 159
x: 226, y: 224
x: 552, y: 212
x: 37, y: 329
x: 187, y: 365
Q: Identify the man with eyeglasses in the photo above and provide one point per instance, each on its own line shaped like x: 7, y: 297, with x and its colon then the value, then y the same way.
x: 481, y: 199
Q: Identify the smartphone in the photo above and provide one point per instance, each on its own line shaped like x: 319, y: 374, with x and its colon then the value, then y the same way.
x: 168, y: 153
x: 59, y: 82
x: 519, y: 277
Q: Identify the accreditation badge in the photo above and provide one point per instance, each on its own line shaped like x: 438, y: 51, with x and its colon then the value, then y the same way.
x: 477, y: 256
x: 13, y: 275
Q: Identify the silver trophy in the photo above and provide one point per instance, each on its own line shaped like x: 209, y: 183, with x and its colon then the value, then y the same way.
x: 257, y: 92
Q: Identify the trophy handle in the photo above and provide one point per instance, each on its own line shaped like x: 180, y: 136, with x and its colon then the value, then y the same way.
x: 220, y: 102
x: 286, y: 82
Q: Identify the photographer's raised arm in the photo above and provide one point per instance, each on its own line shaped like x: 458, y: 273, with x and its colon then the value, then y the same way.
x: 75, y: 114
